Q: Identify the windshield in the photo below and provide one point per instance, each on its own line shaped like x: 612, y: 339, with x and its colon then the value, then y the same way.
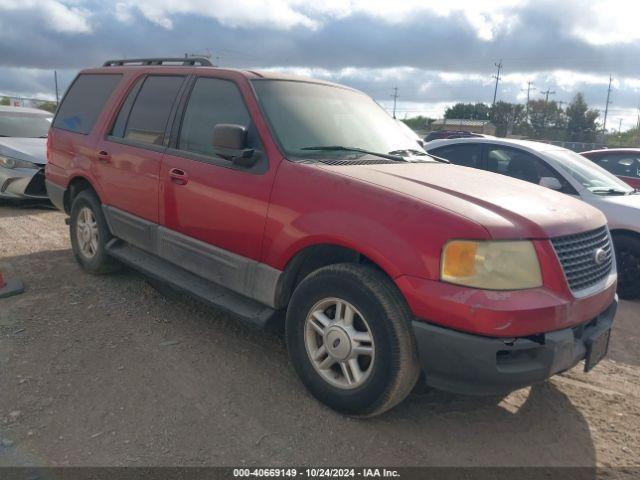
x: 590, y: 175
x: 18, y: 124
x: 303, y: 115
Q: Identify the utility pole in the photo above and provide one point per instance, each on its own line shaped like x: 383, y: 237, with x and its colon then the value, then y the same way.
x: 395, y: 100
x: 606, y: 108
x: 620, y: 133
x: 497, y: 77
x: 529, y: 89
x: 546, y: 94
x: 638, y: 127
x: 55, y: 79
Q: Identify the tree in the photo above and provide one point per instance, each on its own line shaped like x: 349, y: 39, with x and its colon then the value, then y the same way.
x: 546, y: 120
x: 582, y: 123
x: 417, y: 123
x: 5, y: 101
x: 468, y: 111
x: 507, y: 117
x: 48, y: 106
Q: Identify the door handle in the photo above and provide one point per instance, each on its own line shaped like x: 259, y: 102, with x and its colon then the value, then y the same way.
x: 104, y: 156
x: 179, y: 177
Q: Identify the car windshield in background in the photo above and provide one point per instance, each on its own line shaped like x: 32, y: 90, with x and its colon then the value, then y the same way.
x: 591, y: 176
x: 305, y: 114
x: 16, y: 124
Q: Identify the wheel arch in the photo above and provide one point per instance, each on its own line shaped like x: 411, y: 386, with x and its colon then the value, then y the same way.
x: 625, y: 232
x: 76, y: 185
x: 312, y: 257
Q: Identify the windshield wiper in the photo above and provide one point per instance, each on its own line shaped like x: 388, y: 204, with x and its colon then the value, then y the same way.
x: 341, y: 148
x: 611, y: 191
x: 411, y: 152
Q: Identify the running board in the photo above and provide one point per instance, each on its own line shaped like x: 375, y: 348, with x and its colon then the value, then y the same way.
x: 249, y: 311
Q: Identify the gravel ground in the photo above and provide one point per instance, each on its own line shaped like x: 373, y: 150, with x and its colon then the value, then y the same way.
x: 106, y: 371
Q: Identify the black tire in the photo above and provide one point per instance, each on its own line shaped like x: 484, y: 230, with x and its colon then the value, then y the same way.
x: 394, y: 371
x: 627, y: 249
x: 100, y: 263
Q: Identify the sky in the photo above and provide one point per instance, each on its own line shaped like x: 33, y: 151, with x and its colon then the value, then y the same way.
x: 435, y: 52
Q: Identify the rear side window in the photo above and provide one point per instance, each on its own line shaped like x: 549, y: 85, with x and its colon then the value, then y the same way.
x: 84, y: 101
x: 467, y: 155
x: 146, y: 120
x: 621, y: 164
x: 212, y: 101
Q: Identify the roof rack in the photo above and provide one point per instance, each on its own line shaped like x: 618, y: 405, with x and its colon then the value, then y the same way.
x: 184, y: 61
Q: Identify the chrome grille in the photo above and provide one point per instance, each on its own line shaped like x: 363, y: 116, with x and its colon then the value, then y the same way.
x: 577, y: 255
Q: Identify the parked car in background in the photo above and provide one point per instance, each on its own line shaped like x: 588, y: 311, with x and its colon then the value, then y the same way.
x: 276, y: 197
x: 567, y: 172
x: 439, y: 134
x: 622, y: 162
x: 23, y: 152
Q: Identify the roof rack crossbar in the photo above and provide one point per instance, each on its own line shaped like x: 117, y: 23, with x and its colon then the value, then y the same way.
x: 183, y: 61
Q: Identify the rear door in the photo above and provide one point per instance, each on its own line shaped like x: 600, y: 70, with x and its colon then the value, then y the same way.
x: 130, y: 155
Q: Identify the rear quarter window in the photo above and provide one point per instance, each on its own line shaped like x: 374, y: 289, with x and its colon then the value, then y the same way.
x: 84, y: 101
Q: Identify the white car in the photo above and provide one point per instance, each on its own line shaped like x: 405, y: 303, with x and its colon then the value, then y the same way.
x: 566, y: 171
x: 23, y: 152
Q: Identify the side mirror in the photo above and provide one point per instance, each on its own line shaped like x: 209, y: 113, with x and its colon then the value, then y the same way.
x: 551, y: 182
x: 230, y: 142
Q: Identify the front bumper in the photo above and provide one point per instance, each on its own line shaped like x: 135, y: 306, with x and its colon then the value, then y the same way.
x: 22, y: 183
x: 473, y: 364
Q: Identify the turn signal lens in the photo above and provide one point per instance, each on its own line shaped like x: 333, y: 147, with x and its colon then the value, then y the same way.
x: 459, y: 259
x: 491, y: 265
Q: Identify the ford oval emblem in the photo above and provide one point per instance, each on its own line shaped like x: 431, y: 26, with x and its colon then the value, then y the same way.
x: 600, y: 256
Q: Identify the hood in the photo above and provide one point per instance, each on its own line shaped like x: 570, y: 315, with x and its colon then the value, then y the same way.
x: 30, y: 149
x: 506, y: 207
x: 622, y: 211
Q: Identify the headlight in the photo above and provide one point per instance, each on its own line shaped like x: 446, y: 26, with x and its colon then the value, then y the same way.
x: 491, y: 265
x: 9, y: 162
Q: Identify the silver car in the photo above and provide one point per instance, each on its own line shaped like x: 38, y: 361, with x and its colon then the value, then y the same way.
x: 23, y: 152
x: 566, y: 171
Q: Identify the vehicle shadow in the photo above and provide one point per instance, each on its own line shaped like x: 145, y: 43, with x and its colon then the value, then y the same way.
x: 27, y: 207
x: 186, y: 384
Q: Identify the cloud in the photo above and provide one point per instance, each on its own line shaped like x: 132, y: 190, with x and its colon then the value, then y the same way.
x: 436, y: 52
x: 55, y: 15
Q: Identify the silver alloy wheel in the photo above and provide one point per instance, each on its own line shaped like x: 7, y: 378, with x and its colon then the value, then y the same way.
x: 87, y: 232
x: 339, y: 343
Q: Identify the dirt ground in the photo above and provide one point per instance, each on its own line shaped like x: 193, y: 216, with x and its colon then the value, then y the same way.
x: 106, y: 371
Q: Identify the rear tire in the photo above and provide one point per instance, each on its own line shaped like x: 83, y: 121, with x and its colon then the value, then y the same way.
x: 627, y: 250
x: 348, y: 332
x: 90, y: 234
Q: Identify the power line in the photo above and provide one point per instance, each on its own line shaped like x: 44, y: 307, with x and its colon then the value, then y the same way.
x: 497, y: 77
x: 606, y: 108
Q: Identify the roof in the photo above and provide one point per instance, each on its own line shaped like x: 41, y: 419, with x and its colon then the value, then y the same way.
x: 33, y: 111
x: 461, y: 122
x: 621, y: 150
x: 526, y: 144
x: 249, y: 74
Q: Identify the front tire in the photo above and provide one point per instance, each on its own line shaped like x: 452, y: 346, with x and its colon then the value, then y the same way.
x: 349, y: 337
x: 90, y: 234
x: 628, y: 263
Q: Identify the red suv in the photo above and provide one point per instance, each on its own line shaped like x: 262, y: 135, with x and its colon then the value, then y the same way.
x: 276, y: 198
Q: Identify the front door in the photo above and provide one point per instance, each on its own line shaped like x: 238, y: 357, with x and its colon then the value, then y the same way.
x: 206, y: 197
